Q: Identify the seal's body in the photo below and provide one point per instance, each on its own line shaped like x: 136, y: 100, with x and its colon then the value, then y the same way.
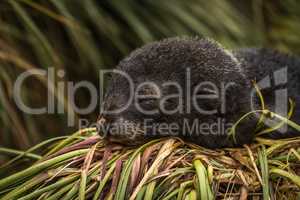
x: 194, y: 85
x: 278, y: 75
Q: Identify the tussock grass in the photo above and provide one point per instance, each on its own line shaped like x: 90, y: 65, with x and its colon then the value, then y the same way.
x: 84, y: 166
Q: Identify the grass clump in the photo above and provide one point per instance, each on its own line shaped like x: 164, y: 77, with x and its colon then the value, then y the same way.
x: 84, y: 166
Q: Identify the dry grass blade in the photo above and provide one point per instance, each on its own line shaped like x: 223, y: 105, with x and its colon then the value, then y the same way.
x: 163, y: 153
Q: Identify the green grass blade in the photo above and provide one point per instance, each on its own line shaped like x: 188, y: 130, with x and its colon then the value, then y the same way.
x: 82, y: 187
x: 72, y: 193
x: 263, y: 161
x: 204, y: 187
x: 182, y: 188
x: 293, y: 177
x: 20, y: 153
x: 62, y: 191
x: 30, y: 25
x: 104, y: 181
x: 121, y: 189
x: 38, y: 167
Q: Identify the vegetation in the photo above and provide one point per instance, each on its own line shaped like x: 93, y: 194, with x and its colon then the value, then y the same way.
x: 83, y: 166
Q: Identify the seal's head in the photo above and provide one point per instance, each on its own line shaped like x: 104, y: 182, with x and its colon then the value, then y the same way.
x: 168, y: 87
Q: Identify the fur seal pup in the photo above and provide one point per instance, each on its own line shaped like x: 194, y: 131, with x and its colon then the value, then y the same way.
x: 194, y: 87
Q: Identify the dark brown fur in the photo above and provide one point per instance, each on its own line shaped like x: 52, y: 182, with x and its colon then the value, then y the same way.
x: 167, y: 60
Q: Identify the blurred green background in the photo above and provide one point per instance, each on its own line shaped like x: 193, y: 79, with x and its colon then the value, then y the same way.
x: 83, y: 36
